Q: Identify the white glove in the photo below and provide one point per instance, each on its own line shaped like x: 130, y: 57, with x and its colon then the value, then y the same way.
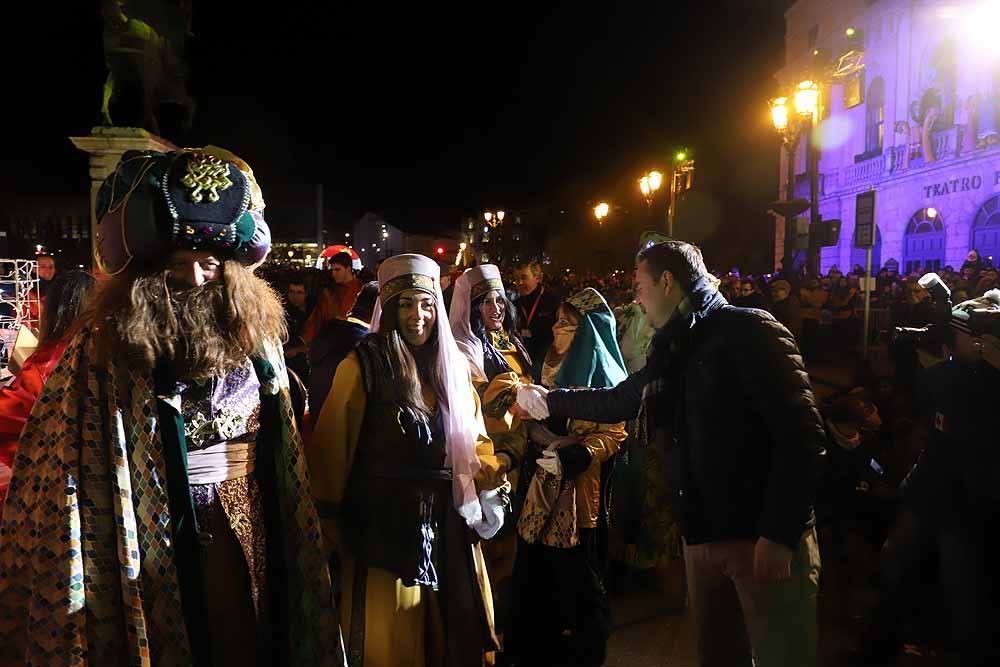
x: 532, y: 399
x: 492, y: 505
x: 550, y: 463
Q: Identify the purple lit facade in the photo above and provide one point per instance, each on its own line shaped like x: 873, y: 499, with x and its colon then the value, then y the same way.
x: 919, y: 123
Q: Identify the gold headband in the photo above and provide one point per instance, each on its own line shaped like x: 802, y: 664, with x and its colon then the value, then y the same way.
x: 484, y: 286
x: 404, y: 282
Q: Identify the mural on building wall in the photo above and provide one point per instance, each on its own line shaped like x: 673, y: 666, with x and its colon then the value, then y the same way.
x: 934, y: 110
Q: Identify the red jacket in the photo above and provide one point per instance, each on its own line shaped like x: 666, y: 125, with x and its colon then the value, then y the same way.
x: 17, y: 400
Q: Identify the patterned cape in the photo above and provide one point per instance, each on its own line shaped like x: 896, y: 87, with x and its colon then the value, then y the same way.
x: 87, y: 572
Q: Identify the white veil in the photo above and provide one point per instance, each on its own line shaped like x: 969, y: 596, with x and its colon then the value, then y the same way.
x: 468, y: 343
x: 458, y: 412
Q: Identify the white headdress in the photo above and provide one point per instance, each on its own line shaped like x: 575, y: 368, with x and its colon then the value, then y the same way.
x: 405, y: 272
x: 470, y: 286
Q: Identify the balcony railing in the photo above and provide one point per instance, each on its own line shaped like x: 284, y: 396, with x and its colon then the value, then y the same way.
x: 863, y: 172
x: 947, y: 145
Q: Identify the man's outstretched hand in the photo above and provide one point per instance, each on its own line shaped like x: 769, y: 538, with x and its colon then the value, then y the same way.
x: 532, y: 399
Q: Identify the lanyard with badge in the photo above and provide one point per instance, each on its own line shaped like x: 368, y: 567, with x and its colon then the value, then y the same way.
x: 526, y: 331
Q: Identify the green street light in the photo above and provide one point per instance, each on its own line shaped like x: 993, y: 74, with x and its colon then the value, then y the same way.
x: 681, y: 156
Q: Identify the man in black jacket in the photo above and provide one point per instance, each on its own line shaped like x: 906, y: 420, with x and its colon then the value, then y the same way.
x: 742, y: 473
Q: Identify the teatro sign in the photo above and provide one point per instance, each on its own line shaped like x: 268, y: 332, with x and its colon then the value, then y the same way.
x: 963, y: 184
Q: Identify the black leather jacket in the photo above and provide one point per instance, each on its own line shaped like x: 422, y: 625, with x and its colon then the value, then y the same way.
x: 726, y: 396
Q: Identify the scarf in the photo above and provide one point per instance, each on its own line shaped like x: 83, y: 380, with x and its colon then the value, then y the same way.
x: 668, y: 351
x: 593, y: 359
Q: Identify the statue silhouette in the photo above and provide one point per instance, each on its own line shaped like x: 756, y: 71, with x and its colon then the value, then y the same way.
x: 143, y: 52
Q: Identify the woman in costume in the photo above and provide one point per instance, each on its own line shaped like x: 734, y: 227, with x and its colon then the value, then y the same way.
x: 160, y: 511
x: 561, y: 611
x: 407, y: 483
x: 484, y: 323
x: 67, y: 295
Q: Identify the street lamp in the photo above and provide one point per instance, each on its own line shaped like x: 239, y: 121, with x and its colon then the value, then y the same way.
x: 779, y: 113
x: 655, y: 180
x: 601, y: 212
x: 494, y: 219
x: 805, y: 102
x: 807, y: 98
x: 649, y: 184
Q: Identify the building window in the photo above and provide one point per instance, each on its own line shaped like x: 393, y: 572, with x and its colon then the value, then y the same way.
x: 875, y: 117
x: 813, y: 36
x: 854, y: 90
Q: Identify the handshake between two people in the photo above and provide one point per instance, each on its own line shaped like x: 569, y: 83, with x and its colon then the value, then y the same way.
x: 532, y: 402
x: 531, y: 405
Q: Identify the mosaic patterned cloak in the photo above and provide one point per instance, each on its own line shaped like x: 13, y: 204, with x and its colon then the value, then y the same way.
x: 87, y: 573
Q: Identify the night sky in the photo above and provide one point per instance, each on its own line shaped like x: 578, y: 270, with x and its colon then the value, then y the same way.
x: 426, y: 113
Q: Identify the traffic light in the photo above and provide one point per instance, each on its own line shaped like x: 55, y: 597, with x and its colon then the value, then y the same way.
x: 824, y: 234
x: 440, y: 250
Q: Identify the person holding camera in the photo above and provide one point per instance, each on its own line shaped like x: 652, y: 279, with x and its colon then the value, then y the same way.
x: 951, y: 497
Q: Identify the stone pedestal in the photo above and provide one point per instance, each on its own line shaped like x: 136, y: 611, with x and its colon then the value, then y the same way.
x: 105, y: 146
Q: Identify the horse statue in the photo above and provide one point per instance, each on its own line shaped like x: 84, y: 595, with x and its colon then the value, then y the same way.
x: 143, y: 52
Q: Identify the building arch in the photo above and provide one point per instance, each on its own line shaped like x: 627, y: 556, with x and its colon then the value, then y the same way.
x: 924, y: 241
x: 985, y: 232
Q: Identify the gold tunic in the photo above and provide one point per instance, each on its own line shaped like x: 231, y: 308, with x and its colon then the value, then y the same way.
x: 403, y: 624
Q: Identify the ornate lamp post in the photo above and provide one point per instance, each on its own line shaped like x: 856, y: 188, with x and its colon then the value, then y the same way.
x: 649, y: 184
x: 805, y: 107
x: 494, y: 219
